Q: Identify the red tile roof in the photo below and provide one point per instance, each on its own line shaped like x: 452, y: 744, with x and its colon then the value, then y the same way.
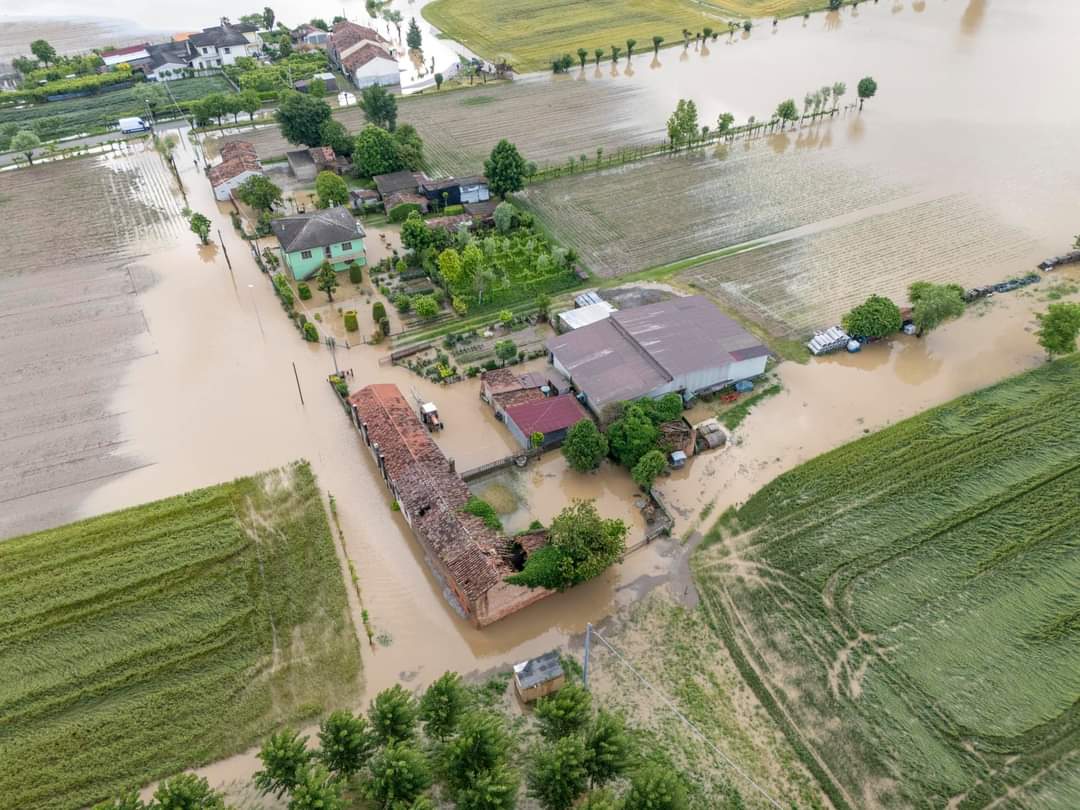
x: 547, y: 415
x: 346, y: 34
x: 122, y: 51
x: 361, y: 56
x: 430, y: 492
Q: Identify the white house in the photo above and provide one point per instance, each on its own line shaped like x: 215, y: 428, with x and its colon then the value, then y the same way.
x: 222, y: 45
x: 363, y: 54
x: 238, y: 163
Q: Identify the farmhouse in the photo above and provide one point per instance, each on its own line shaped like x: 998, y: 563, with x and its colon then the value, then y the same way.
x: 307, y: 240
x: 238, y: 163
x: 501, y: 388
x: 222, y: 45
x: 363, y: 55
x: 471, y: 559
x: 548, y: 417
x: 684, y: 345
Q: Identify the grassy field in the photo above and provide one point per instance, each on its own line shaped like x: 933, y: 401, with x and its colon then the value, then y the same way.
x: 529, y: 37
x: 90, y: 113
x: 907, y: 605
x: 141, y: 642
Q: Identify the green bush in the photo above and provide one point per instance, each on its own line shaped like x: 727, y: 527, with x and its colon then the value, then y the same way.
x: 311, y: 334
x: 304, y: 290
x: 399, y: 213
x: 378, y: 311
x: 402, y: 302
x: 546, y: 567
x: 351, y: 324
x: 453, y: 210
x: 384, y: 326
x: 284, y: 291
x: 356, y: 273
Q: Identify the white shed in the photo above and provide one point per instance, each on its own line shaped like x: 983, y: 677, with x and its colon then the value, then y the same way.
x: 573, y: 319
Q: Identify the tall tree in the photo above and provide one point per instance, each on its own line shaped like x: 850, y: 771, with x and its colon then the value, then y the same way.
x: 1059, y: 327
x: 330, y: 190
x: 200, y: 226
x: 615, y: 50
x: 316, y: 789
x: 598, y: 54
x: 505, y: 169
x: 682, y: 126
x: 874, y: 318
x: 443, y: 704
x: 480, y: 744
x: 585, y: 446
x: 557, y: 774
x: 187, y: 792
x: 345, y: 743
x: 301, y: 118
x: 600, y: 800
x: 376, y: 152
x: 656, y: 43
x: 723, y: 123
x: 399, y: 774
x: 566, y: 712
x: 933, y: 304
x: 493, y: 789
x: 414, y: 38
x: 250, y: 103
x: 838, y: 91
x: 656, y: 788
x: 608, y: 746
x: 25, y: 142
x: 379, y: 106
x: 410, y: 147
x: 648, y: 467
x: 787, y: 111
x: 632, y: 436
x: 393, y: 17
x: 268, y: 18
x: 260, y: 192
x: 326, y: 280
x: 582, y: 56
x: 393, y: 715
x: 867, y: 89
x: 630, y: 43
x: 43, y: 51
x: 333, y: 133
x: 284, y: 756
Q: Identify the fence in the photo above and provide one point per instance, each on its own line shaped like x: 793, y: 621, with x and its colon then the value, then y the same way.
x: 520, y: 459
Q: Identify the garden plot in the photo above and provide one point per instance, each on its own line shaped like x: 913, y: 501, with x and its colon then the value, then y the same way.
x: 142, y: 642
x: 549, y: 121
x: 71, y: 321
x: 906, y: 605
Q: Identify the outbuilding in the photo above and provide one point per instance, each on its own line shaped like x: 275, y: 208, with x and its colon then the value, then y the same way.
x: 683, y: 345
x: 238, y: 162
x: 539, y: 677
x: 548, y: 417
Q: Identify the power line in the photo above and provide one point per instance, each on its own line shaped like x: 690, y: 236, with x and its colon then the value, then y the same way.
x: 590, y: 632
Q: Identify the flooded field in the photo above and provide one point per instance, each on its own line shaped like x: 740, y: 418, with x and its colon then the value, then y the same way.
x: 70, y: 320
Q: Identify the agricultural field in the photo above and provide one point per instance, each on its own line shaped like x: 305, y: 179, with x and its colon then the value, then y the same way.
x: 549, y: 121
x: 813, y: 240
x: 529, y: 37
x: 71, y: 322
x: 145, y: 641
x: 59, y: 119
x: 906, y: 605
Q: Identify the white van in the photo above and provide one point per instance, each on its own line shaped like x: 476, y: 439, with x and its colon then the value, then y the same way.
x: 129, y: 125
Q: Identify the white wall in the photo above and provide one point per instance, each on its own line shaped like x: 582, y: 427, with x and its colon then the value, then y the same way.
x: 223, y: 191
x: 377, y: 71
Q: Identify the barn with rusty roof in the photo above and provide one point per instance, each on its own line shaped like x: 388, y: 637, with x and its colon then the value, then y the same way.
x: 471, y: 559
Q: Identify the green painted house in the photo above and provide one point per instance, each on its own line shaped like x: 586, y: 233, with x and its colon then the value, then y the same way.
x: 307, y: 240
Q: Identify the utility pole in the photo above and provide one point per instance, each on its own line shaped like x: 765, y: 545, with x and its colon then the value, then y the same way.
x: 588, y: 650
x: 332, y: 345
x: 224, y: 249
x: 298, y: 389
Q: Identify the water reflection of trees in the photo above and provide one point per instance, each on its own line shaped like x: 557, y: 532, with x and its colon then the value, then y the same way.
x: 833, y: 21
x: 973, y: 16
x: 914, y: 363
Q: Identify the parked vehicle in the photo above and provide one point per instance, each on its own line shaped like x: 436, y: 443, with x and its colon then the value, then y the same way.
x: 132, y: 125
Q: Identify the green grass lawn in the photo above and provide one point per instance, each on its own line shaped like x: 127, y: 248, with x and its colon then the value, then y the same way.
x: 907, y: 605
x: 142, y: 642
x: 530, y: 35
x: 91, y: 113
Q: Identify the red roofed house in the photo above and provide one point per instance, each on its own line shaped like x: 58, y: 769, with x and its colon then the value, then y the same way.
x: 120, y: 56
x: 238, y: 162
x: 469, y: 558
x: 549, y: 416
x: 363, y: 54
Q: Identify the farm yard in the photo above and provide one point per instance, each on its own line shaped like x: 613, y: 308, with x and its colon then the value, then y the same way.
x: 529, y: 37
x: 70, y: 322
x: 906, y: 605
x: 141, y: 642
x: 60, y: 119
x: 549, y: 121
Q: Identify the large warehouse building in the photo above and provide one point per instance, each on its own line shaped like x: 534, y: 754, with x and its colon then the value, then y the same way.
x: 684, y: 344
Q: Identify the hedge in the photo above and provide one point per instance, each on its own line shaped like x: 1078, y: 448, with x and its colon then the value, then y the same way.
x: 351, y: 324
x: 399, y: 213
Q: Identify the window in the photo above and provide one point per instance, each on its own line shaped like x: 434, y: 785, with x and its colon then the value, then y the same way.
x: 326, y: 252
x: 228, y: 50
x: 205, y: 51
x: 346, y: 245
x: 305, y: 254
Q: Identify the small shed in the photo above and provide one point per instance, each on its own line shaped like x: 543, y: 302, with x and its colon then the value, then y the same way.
x: 678, y: 459
x: 301, y: 164
x: 539, y: 677
x: 573, y: 319
x: 710, y: 435
x: 551, y: 417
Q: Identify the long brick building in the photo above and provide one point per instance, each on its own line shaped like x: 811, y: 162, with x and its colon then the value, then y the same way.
x: 470, y: 558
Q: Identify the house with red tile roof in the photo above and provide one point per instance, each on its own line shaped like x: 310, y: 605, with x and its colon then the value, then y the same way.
x: 471, y: 559
x: 549, y: 417
x: 363, y: 54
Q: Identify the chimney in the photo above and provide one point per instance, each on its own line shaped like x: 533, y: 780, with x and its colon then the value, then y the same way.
x: 453, y: 465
